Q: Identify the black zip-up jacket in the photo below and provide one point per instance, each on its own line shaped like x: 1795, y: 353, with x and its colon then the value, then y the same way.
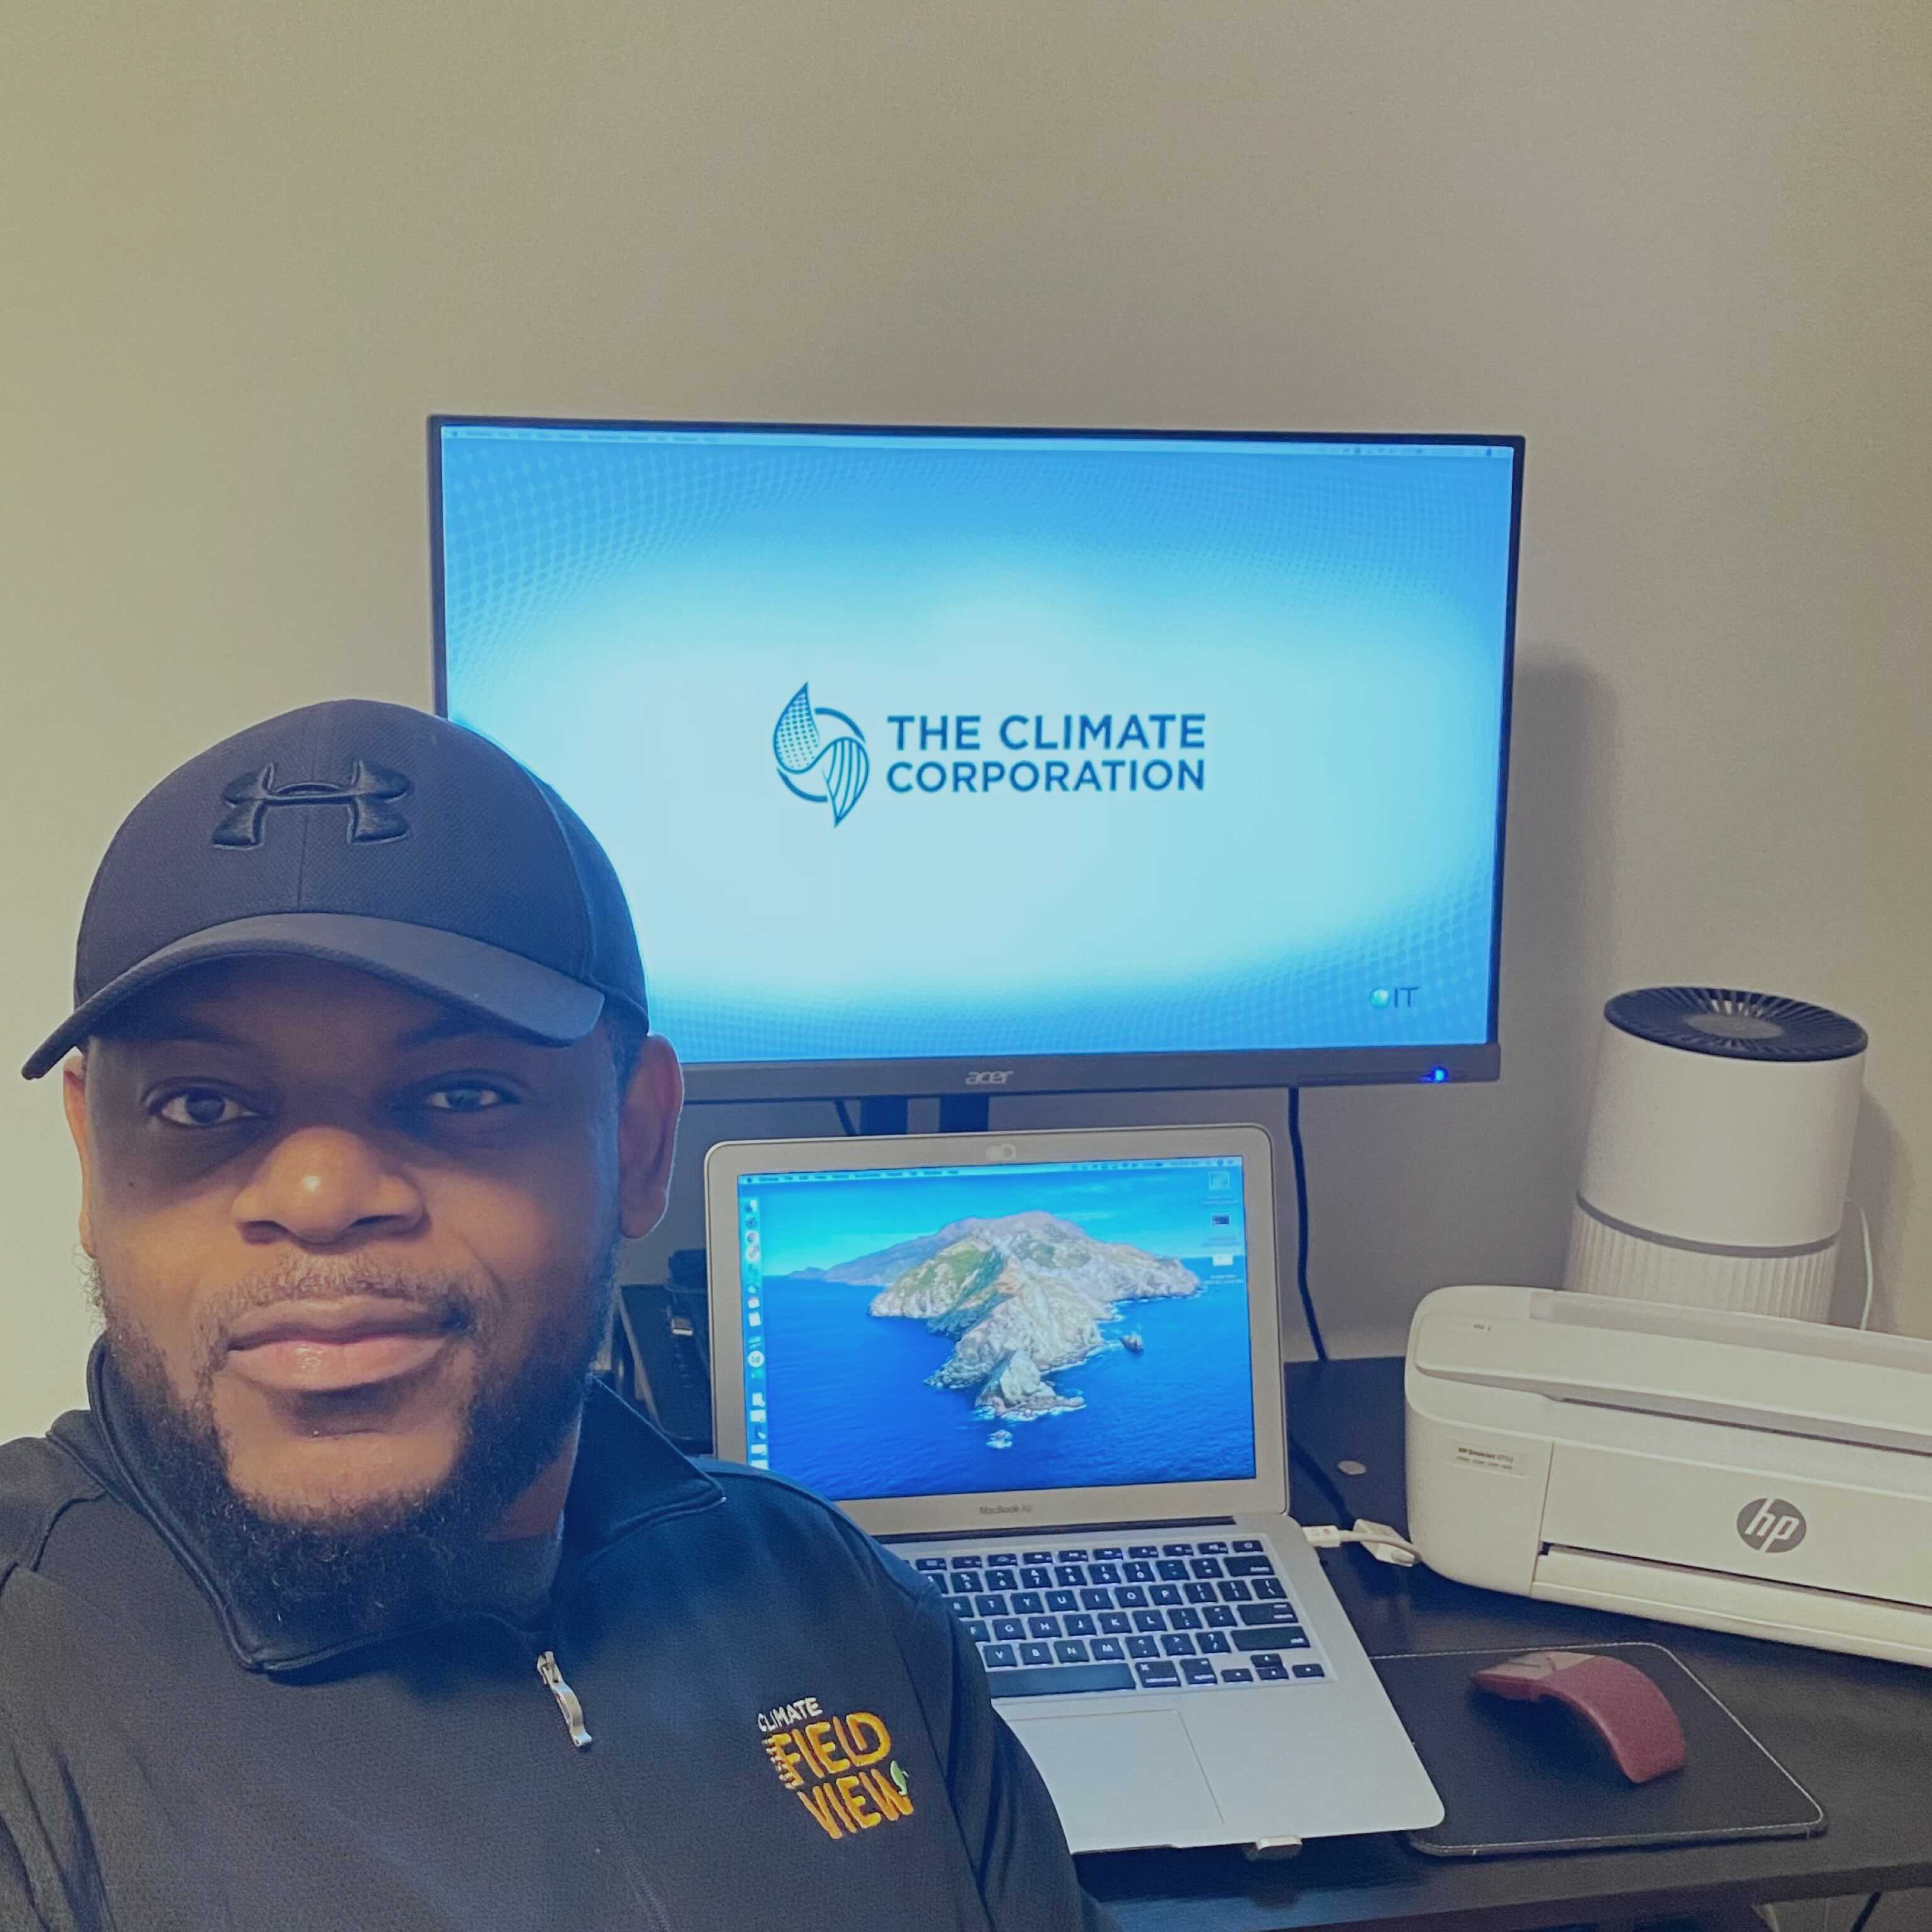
x: 789, y: 1728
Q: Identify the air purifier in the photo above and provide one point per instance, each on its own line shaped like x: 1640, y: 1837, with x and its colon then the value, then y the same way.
x: 1720, y: 1143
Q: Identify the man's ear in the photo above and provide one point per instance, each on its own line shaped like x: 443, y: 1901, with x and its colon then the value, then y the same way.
x: 647, y: 1114
x: 73, y: 1098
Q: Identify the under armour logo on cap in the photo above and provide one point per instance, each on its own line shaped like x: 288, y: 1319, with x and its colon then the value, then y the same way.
x: 370, y: 796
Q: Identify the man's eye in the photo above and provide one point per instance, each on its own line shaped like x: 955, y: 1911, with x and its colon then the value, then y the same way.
x: 466, y: 1096
x: 202, y: 1107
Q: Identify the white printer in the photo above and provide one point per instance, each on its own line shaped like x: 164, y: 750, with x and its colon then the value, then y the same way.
x: 1743, y: 1472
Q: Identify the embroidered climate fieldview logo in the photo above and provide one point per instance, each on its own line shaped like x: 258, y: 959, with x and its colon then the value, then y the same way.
x: 841, y: 1768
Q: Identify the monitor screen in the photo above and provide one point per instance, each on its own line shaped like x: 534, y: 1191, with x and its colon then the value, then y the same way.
x: 933, y: 761
x: 950, y: 1330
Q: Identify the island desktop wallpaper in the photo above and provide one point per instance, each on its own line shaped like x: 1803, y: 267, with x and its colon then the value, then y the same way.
x: 941, y: 1332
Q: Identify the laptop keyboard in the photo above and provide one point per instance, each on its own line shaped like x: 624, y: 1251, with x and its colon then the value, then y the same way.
x: 1137, y: 1616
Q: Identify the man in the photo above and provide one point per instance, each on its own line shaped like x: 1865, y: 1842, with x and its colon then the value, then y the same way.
x: 348, y: 1602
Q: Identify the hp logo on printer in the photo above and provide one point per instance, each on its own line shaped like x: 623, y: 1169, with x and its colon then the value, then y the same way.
x: 1771, y: 1526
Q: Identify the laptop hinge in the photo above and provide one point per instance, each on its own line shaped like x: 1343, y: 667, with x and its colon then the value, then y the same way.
x: 1037, y: 1531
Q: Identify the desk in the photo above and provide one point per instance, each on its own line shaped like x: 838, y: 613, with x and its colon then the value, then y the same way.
x: 1857, y: 1733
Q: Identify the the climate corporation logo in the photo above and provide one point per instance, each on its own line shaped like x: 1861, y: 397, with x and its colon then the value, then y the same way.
x: 987, y: 754
x: 802, y: 748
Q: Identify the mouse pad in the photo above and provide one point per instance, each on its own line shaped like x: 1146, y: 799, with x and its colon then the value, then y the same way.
x: 1534, y: 1777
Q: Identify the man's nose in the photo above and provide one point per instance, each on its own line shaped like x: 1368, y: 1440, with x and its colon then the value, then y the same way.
x: 319, y: 1184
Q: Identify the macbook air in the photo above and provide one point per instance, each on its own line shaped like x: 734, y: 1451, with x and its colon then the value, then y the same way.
x: 1045, y: 1368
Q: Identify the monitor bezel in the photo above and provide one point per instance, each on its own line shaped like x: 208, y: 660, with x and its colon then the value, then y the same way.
x: 990, y: 1074
x: 1265, y: 1493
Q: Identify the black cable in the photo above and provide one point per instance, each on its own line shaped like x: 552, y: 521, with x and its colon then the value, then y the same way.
x: 1866, y: 1911
x: 845, y: 1118
x: 1301, y: 1221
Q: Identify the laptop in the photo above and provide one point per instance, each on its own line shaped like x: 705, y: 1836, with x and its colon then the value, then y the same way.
x: 1045, y: 1368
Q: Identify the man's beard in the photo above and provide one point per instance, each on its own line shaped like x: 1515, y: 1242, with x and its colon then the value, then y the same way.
x: 326, y: 1575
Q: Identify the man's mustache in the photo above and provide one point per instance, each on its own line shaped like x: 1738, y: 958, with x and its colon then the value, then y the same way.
x: 449, y: 1302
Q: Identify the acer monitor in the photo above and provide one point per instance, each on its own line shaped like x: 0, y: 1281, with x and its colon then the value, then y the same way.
x: 946, y: 761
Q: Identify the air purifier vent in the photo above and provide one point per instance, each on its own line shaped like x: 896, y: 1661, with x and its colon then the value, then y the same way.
x: 1735, y: 1025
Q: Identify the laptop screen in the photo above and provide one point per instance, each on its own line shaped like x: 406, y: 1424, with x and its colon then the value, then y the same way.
x: 950, y: 1330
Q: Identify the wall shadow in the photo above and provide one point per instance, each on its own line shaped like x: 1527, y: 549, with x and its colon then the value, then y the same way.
x: 1880, y: 1184
x: 1412, y: 1189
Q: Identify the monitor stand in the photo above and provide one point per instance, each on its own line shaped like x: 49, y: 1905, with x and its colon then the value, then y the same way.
x: 958, y: 1114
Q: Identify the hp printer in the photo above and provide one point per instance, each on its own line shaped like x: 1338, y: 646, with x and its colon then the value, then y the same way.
x: 1743, y: 1472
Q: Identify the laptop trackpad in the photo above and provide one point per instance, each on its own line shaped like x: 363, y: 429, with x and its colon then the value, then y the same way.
x: 1121, y: 1779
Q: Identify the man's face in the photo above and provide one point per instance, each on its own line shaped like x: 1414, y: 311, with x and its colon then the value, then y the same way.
x: 339, y: 1222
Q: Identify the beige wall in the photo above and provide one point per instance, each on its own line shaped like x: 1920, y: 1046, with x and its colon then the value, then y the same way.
x: 1683, y: 248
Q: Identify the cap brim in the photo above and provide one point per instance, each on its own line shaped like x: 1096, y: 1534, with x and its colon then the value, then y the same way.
x: 497, y: 985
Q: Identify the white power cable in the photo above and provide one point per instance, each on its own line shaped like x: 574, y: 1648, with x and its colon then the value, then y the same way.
x: 1384, y: 1544
x: 1864, y: 1229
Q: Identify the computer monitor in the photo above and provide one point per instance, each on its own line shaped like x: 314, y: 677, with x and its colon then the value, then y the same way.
x: 941, y: 761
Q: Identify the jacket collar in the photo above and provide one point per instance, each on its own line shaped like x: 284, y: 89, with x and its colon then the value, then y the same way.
x: 626, y: 1475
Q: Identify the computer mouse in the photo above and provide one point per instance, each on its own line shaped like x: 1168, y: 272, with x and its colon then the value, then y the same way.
x: 1618, y: 1702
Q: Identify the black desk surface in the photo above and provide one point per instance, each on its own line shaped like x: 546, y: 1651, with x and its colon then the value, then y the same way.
x: 1857, y: 1733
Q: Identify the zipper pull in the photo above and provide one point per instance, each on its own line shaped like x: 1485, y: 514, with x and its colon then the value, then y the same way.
x: 566, y: 1698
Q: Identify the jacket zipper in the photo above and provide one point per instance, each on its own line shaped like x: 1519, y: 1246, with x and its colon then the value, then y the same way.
x: 566, y: 1698
x: 654, y: 1918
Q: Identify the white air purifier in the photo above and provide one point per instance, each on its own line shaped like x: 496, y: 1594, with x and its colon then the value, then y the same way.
x: 1720, y: 1142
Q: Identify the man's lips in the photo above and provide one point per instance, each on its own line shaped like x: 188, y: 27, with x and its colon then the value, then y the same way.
x: 324, y: 1347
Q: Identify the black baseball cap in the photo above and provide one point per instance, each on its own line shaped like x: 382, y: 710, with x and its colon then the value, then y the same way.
x: 373, y: 835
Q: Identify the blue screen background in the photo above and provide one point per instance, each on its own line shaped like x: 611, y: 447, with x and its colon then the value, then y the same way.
x: 631, y: 612
x: 838, y: 1398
